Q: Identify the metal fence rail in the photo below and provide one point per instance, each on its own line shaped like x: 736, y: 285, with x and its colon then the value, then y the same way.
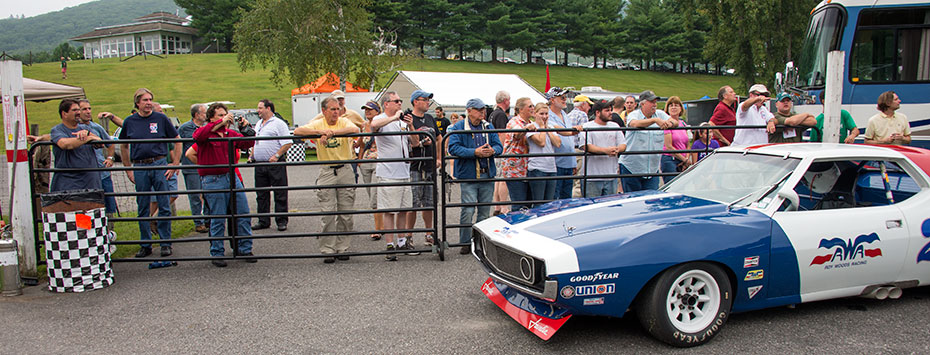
x: 231, y: 218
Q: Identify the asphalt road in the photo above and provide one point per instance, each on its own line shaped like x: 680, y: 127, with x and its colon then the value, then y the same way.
x: 415, y: 305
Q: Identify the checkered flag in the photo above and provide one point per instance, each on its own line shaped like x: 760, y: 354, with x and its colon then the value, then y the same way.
x: 77, y: 250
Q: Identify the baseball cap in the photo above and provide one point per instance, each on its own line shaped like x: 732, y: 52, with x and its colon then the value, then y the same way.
x: 759, y: 89
x: 582, y: 98
x: 420, y: 93
x: 371, y: 105
x: 475, y: 103
x: 338, y: 94
x: 600, y: 105
x: 783, y: 96
x: 555, y: 91
x: 648, y: 95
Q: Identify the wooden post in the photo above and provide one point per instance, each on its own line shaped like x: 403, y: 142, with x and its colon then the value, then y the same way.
x: 14, y: 119
x: 833, y: 97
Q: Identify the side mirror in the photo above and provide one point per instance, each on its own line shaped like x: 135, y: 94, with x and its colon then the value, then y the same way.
x: 792, y: 197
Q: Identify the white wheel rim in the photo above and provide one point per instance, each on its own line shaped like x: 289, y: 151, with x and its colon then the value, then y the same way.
x: 693, y: 301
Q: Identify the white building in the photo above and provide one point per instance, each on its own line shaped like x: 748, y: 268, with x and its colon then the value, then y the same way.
x: 156, y: 33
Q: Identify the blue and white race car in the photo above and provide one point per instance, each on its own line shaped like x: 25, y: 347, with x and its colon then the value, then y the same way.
x: 742, y: 230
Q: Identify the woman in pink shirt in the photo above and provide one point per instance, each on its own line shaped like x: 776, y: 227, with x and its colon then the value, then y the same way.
x: 675, y: 139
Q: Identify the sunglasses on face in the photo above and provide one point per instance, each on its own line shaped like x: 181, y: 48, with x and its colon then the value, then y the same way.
x: 398, y: 101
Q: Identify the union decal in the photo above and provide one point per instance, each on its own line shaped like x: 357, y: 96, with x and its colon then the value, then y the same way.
x: 848, y: 250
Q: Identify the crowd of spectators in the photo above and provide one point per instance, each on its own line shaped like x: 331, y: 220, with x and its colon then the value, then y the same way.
x: 604, y: 130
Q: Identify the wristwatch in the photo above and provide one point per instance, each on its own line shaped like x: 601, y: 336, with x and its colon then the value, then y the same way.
x: 109, y: 158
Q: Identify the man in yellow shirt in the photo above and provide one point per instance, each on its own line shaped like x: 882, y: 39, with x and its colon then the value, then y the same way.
x: 351, y: 114
x: 337, y: 149
x: 888, y: 126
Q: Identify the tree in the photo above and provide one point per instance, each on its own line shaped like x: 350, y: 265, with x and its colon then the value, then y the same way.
x: 755, y: 38
x: 215, y: 19
x: 66, y: 50
x: 303, y: 39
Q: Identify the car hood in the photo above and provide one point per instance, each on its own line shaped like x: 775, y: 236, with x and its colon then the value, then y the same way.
x: 639, y: 213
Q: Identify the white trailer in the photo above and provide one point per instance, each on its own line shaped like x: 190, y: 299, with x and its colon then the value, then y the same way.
x: 306, y: 106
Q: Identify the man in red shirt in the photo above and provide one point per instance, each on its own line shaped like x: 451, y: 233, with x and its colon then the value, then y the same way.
x: 724, y: 115
x: 218, y: 178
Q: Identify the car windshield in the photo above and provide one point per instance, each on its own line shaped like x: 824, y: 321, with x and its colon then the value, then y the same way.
x: 823, y: 35
x: 732, y: 177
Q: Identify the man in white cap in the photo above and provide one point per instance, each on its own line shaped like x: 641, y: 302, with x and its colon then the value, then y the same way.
x: 753, y: 112
x: 474, y: 154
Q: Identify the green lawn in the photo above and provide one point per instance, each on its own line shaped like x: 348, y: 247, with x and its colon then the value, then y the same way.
x: 182, y: 80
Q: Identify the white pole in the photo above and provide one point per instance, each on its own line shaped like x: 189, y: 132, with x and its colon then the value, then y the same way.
x: 833, y: 96
x: 14, y: 119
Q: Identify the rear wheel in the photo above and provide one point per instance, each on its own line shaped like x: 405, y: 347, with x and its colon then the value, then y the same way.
x: 687, y: 305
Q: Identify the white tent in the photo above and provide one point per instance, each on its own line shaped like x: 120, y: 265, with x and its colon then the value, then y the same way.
x: 38, y: 90
x: 453, y: 90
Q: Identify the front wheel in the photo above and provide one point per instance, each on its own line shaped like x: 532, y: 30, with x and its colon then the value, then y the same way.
x: 687, y: 305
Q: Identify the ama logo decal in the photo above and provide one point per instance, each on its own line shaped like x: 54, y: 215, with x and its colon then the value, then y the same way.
x: 924, y: 254
x: 848, y: 250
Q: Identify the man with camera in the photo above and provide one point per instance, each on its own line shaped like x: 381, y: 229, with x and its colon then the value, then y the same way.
x: 217, y: 178
x: 271, y: 151
x: 422, y: 171
x: 148, y: 124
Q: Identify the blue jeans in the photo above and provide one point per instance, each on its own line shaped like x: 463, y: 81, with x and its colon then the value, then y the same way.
x: 563, y: 187
x: 595, y: 188
x: 473, y: 192
x: 192, y: 182
x: 218, y: 203
x: 631, y: 184
x: 153, y: 180
x: 541, y: 189
x: 108, y: 201
x: 518, y: 191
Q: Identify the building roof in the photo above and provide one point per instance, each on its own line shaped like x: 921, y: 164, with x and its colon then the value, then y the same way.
x: 162, y: 16
x: 158, y: 21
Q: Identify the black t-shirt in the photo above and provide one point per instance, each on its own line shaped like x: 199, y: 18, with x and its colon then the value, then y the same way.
x: 442, y: 124
x: 424, y: 123
x: 614, y: 117
x: 498, y: 118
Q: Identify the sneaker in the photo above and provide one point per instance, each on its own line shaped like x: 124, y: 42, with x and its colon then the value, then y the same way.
x: 465, y: 250
x: 218, y: 263
x: 428, y: 240
x: 143, y: 252
x: 166, y: 250
x: 329, y: 260
x: 390, y: 257
x: 409, y: 246
x: 248, y: 259
x: 201, y: 229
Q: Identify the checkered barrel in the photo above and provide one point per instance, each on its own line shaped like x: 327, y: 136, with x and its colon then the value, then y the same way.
x: 77, y: 248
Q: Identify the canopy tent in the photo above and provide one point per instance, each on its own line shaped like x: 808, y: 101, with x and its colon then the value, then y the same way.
x: 453, y: 90
x: 38, y: 91
x: 326, y: 83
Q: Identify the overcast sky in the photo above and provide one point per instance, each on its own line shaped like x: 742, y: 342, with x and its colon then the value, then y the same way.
x: 34, y: 7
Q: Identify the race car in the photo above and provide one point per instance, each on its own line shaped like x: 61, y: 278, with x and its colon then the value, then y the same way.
x: 744, y: 229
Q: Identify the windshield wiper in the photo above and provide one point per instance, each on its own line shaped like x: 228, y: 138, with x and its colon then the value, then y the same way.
x: 768, y: 189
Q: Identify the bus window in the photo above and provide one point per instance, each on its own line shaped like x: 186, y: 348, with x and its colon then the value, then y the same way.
x: 891, y: 46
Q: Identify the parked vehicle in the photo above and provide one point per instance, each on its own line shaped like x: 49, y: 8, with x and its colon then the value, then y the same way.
x: 744, y: 229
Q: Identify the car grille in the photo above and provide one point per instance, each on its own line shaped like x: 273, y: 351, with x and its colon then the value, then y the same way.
x: 520, y: 268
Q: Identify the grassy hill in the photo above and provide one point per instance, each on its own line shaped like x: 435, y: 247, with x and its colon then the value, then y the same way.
x: 182, y: 80
x: 45, y: 32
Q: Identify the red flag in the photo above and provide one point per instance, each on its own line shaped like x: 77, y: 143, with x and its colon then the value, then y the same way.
x: 547, y: 78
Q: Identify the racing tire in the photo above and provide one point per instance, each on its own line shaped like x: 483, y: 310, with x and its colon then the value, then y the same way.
x: 686, y: 305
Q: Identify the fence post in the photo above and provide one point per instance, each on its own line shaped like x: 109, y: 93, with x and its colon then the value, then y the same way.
x: 14, y: 119
x: 833, y: 96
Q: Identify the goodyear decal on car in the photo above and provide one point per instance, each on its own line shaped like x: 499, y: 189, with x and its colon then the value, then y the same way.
x: 598, y: 276
x: 752, y: 275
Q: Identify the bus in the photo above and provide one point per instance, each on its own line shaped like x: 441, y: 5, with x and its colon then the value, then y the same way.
x: 887, y: 45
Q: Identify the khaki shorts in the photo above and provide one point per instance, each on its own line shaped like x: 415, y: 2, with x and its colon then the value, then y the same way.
x: 393, y: 197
